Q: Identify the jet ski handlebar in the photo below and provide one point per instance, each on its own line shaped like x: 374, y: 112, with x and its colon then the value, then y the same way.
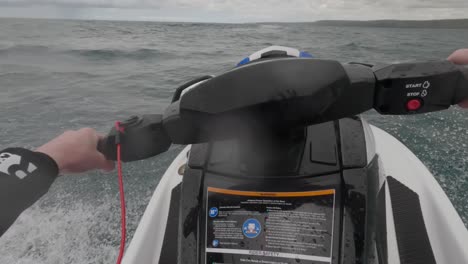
x: 284, y: 93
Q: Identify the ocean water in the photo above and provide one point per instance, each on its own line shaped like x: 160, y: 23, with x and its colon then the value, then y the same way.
x: 57, y: 75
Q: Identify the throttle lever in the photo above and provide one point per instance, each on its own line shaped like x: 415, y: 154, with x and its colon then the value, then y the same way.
x: 139, y: 137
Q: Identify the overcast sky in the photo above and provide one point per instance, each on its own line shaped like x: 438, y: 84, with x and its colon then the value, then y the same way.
x: 235, y: 10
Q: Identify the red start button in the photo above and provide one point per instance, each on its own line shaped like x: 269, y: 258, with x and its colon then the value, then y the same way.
x: 413, y: 104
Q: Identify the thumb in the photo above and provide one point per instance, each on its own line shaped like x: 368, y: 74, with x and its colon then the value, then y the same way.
x: 459, y: 57
x: 104, y: 164
x: 108, y: 166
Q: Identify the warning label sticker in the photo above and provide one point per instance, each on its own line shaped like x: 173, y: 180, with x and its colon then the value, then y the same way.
x: 269, y: 227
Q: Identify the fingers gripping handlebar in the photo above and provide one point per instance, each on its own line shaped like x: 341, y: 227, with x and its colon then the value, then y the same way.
x: 139, y: 137
x: 284, y: 93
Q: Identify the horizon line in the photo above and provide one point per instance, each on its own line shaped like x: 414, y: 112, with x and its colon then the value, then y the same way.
x: 217, y: 22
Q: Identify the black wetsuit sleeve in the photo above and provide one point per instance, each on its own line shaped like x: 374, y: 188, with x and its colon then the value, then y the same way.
x: 24, y: 177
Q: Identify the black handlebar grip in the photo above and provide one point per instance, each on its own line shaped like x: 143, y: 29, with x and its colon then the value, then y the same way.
x: 411, y: 88
x: 462, y: 91
x: 140, y: 138
x: 107, y: 147
x: 101, y: 145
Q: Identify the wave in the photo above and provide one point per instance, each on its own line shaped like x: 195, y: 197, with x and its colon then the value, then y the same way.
x: 23, y: 48
x: 112, y: 54
x: 91, y: 54
x: 356, y: 46
x: 270, y: 26
x: 351, y: 44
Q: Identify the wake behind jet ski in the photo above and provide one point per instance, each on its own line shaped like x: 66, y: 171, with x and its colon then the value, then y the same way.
x: 282, y: 170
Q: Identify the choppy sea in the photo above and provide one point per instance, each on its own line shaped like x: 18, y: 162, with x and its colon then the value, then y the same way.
x: 57, y: 75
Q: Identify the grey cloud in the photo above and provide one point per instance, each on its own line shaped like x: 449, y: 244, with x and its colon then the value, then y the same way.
x: 254, y: 10
x: 338, y: 4
x: 451, y: 4
x: 82, y: 3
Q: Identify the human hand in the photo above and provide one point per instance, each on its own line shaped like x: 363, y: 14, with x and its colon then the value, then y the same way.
x: 460, y: 57
x: 76, y: 152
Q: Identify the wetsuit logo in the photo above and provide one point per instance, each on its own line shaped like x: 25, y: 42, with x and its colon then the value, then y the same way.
x: 11, y: 164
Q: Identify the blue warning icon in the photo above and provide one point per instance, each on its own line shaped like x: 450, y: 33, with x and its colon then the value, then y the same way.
x: 215, y: 243
x: 213, y: 212
x: 251, y: 228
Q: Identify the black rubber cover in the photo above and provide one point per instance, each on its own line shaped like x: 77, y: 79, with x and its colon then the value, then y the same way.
x: 272, y: 94
x: 321, y: 151
x: 198, y: 155
x: 381, y: 229
x: 353, y: 143
x: 272, y: 155
x: 359, y: 223
x: 413, y: 242
x: 189, y: 217
x: 301, y: 152
x: 169, y: 251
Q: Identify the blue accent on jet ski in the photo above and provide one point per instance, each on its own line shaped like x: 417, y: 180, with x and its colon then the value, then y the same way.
x: 243, y: 62
x: 305, y: 54
x: 302, y: 54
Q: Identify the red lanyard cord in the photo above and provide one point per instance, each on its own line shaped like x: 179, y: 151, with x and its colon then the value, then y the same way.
x: 122, y: 195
